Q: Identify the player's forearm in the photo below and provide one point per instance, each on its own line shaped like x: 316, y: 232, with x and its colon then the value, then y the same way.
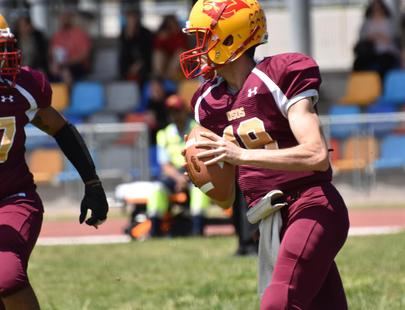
x: 297, y: 158
x: 73, y: 146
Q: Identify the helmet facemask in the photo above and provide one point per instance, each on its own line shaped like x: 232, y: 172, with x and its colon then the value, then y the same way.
x: 224, y: 30
x: 10, y: 57
x: 195, y: 62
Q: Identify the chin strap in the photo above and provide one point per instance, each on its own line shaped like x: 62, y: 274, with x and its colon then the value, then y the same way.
x: 208, y: 72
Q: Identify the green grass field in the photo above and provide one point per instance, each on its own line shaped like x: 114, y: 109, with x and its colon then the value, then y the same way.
x: 199, y: 274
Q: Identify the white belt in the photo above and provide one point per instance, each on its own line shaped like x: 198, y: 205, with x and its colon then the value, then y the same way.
x: 266, y: 206
x: 266, y: 211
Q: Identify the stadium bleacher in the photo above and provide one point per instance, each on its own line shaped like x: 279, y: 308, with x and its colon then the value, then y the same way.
x: 392, y: 153
x: 357, y: 145
x: 363, y: 88
x: 86, y: 98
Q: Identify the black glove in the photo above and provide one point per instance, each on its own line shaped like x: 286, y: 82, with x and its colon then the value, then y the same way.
x: 95, y: 200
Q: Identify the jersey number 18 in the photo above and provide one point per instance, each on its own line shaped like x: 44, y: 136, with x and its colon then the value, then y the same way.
x: 252, y: 134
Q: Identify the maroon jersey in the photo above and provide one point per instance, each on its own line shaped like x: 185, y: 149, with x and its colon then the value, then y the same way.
x: 18, y: 106
x: 256, y: 117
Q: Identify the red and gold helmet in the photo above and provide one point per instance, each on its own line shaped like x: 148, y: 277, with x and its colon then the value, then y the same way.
x: 10, y: 55
x: 223, y: 30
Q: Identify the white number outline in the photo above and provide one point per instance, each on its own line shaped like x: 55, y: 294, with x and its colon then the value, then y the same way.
x: 262, y: 137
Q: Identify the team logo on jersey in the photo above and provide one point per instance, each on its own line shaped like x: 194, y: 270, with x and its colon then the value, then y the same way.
x: 5, y: 99
x: 235, y: 114
x: 252, y: 91
x: 212, y: 8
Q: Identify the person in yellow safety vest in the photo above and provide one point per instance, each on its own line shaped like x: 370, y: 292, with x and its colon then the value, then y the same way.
x: 170, y: 143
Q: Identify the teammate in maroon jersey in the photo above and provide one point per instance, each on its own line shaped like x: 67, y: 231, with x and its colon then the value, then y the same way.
x: 25, y: 96
x: 264, y: 115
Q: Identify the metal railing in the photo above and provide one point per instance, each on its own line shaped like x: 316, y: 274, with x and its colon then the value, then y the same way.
x: 367, y: 165
x: 121, y: 151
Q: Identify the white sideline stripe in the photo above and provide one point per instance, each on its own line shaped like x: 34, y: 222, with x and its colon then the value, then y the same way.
x: 375, y: 230
x: 102, y: 239
x: 111, y: 239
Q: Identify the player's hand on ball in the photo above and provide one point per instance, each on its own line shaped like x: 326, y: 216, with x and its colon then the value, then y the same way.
x: 95, y: 200
x: 216, y: 181
x: 221, y: 150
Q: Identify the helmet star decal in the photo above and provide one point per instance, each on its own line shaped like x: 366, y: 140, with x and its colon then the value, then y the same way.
x: 212, y: 8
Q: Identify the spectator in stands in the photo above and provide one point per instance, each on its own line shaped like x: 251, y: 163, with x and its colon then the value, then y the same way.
x: 135, y: 49
x: 157, y: 99
x: 169, y: 42
x: 377, y: 48
x: 155, y: 95
x: 170, y: 143
x: 70, y: 51
x: 32, y: 43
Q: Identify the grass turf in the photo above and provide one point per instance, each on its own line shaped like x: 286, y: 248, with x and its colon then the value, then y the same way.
x: 199, y: 274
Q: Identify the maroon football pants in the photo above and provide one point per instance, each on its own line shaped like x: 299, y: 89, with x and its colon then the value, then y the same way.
x: 20, y: 224
x: 315, y: 227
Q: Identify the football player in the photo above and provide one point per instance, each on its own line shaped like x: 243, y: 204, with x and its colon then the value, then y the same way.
x: 266, y: 123
x: 25, y: 96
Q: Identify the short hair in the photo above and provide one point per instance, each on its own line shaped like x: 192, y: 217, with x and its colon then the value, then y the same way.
x: 251, y: 52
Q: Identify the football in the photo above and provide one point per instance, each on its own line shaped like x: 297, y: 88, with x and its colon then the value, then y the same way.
x: 216, y: 180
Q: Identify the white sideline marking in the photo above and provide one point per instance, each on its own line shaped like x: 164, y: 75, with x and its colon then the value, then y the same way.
x: 375, y: 230
x: 110, y: 239
x: 102, y: 239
